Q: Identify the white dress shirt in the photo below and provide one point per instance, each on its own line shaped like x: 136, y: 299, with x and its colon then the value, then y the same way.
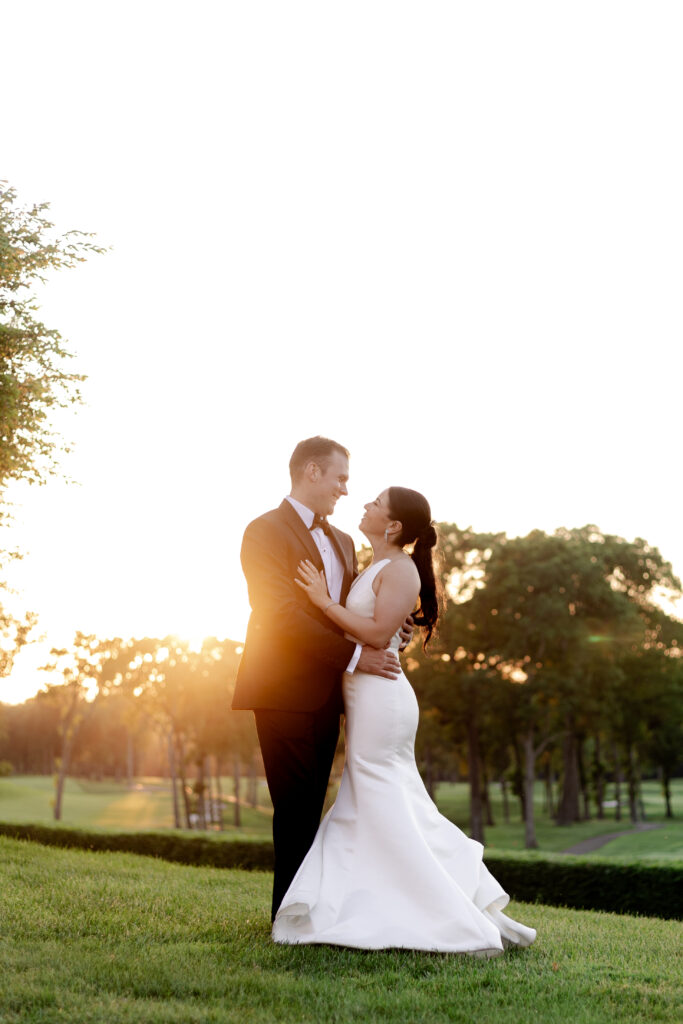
x: 334, y: 570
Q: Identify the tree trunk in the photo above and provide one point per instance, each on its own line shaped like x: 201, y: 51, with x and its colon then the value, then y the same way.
x: 568, y: 810
x: 208, y: 792
x: 638, y: 784
x: 62, y: 770
x: 583, y: 780
x: 60, y: 776
x: 506, y: 803
x: 631, y: 776
x: 59, y: 789
x: 548, y: 781
x: 530, y: 841
x: 617, y: 783
x: 486, y: 796
x: 130, y: 759
x: 641, y: 802
x: 429, y: 774
x: 183, y: 780
x: 518, y: 787
x: 219, y: 795
x: 215, y: 805
x: 666, y: 787
x: 599, y: 778
x: 252, y: 786
x: 237, y: 819
x: 174, y: 788
x: 70, y: 727
x: 200, y: 787
x: 476, y: 809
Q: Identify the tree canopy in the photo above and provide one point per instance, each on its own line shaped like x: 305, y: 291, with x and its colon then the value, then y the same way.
x: 34, y: 359
x: 34, y: 374
x: 554, y: 645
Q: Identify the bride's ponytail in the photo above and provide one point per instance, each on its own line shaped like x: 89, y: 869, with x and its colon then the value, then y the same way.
x: 412, y: 510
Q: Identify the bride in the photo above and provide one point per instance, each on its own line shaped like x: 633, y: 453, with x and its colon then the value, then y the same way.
x: 386, y: 870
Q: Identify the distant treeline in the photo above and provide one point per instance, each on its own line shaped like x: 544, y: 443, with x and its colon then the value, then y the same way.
x: 127, y: 708
x: 553, y: 660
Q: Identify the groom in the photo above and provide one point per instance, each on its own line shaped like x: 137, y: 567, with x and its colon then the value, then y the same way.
x: 294, y: 656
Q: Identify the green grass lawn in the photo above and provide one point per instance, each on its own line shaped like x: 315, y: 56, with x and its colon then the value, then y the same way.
x: 110, y: 805
x: 453, y: 801
x: 661, y: 845
x: 109, y: 938
x: 27, y: 798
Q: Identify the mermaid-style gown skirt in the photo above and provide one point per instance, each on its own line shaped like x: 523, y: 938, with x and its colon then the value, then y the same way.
x: 386, y: 870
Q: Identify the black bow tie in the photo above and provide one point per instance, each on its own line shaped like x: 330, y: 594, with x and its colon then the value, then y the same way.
x: 321, y: 524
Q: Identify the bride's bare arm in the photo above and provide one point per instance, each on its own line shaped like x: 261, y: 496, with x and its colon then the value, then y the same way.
x: 398, y: 586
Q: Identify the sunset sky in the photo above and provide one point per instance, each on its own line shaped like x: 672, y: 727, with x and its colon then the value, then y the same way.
x: 447, y: 235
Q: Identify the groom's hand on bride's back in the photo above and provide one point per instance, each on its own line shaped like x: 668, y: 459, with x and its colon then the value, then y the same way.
x: 406, y: 632
x: 379, y: 663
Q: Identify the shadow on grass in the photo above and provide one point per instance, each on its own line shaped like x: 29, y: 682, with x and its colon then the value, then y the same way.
x: 320, y: 961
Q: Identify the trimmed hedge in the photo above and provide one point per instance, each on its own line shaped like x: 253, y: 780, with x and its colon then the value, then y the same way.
x: 185, y: 849
x: 653, y: 890
x: 635, y: 887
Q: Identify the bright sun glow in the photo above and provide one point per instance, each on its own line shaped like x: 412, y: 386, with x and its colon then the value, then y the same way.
x: 451, y: 242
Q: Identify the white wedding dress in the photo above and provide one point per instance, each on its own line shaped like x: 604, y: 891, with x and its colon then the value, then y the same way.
x: 386, y: 870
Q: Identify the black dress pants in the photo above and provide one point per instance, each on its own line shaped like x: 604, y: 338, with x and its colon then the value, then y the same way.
x: 298, y: 749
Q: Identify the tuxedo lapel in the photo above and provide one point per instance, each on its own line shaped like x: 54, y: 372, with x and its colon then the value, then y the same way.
x: 346, y: 559
x: 303, y: 535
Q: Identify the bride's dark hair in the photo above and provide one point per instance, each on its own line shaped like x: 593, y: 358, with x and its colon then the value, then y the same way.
x: 412, y: 510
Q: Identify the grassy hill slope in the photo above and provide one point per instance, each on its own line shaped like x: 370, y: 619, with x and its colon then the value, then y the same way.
x: 117, y: 938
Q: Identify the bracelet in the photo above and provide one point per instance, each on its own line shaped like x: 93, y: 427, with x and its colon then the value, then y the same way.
x: 330, y: 605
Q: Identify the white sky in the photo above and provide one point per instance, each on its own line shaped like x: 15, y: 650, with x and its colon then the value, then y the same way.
x: 446, y: 234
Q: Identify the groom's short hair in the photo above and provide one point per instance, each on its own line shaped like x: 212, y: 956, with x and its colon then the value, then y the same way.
x: 313, y: 449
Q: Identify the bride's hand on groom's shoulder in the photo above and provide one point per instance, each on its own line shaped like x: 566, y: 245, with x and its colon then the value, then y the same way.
x: 313, y: 582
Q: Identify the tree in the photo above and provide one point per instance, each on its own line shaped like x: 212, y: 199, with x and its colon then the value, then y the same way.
x: 29, y: 736
x: 451, y: 678
x: 187, y: 694
x: 646, y: 717
x: 14, y: 633
x: 81, y: 668
x: 555, y: 610
x: 33, y: 376
x: 34, y: 379
x: 562, y: 620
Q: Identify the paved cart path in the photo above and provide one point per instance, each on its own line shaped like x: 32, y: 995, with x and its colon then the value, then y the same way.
x: 589, y: 845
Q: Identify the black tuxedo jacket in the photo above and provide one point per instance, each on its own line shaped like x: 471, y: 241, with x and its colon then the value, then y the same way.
x: 294, y: 656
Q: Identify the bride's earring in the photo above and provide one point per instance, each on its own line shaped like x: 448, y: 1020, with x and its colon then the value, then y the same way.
x: 386, y: 535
